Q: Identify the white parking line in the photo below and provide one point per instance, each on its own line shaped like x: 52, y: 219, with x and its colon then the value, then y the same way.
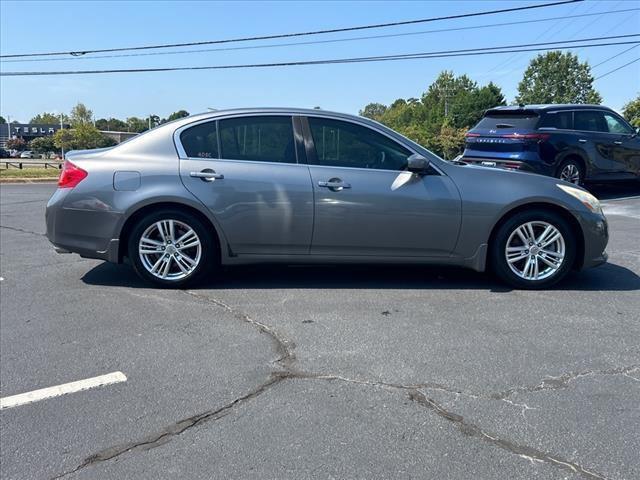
x: 50, y: 392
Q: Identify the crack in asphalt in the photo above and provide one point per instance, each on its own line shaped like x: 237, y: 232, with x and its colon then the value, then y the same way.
x: 286, y: 358
x: 563, y: 381
x: 15, y: 229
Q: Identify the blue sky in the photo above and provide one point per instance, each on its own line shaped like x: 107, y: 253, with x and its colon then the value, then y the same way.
x: 51, y: 26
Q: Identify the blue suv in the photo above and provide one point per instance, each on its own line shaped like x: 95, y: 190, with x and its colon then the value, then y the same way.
x: 571, y: 142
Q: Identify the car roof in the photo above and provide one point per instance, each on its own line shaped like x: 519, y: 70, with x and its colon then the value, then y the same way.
x: 274, y: 110
x: 548, y: 106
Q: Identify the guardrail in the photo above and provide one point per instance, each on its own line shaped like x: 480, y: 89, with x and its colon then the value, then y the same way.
x: 31, y: 163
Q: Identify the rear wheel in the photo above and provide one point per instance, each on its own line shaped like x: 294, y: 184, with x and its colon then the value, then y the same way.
x: 571, y: 171
x: 533, y: 249
x: 171, y: 248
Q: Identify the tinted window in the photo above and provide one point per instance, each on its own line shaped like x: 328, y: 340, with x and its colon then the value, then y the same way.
x: 264, y: 139
x: 589, y: 120
x: 615, y: 125
x: 559, y: 120
x: 344, y: 144
x: 200, y: 141
x: 508, y: 121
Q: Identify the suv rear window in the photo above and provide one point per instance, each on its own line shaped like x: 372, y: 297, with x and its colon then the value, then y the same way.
x: 493, y: 121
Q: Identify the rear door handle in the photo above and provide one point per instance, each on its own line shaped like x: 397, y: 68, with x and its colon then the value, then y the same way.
x: 582, y: 140
x: 207, y: 175
x: 334, y: 184
x: 618, y: 142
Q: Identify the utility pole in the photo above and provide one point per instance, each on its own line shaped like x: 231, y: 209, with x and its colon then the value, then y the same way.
x: 149, y: 121
x: 61, y: 128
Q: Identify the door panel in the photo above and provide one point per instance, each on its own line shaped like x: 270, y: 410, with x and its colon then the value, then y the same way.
x: 418, y: 218
x: 261, y: 198
x: 626, y: 155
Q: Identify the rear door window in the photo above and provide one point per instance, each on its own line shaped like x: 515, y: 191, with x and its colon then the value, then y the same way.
x: 589, y: 121
x: 510, y: 121
x: 259, y: 138
x: 557, y: 120
x: 200, y: 141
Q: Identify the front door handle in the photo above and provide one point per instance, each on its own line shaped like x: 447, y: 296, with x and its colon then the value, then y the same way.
x: 334, y: 184
x: 207, y: 175
x: 582, y: 140
x: 618, y: 142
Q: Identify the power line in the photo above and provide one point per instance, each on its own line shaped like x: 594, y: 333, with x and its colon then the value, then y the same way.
x: 317, y: 42
x: 408, y: 56
x: 615, y: 56
x: 297, y: 34
x: 616, y: 69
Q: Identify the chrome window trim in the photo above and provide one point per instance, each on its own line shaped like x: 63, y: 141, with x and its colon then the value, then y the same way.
x: 183, y: 156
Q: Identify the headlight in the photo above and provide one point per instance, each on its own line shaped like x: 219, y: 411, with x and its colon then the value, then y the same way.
x: 588, y: 200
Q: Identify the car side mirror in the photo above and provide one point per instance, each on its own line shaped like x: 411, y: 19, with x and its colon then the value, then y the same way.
x: 417, y: 164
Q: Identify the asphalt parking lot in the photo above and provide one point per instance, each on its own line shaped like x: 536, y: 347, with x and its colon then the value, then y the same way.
x: 318, y: 372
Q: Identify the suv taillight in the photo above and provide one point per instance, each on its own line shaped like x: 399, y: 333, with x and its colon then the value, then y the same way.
x: 71, y: 175
x: 536, y: 137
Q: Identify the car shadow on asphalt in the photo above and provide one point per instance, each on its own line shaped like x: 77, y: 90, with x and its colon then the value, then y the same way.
x: 608, y: 277
x: 614, y: 190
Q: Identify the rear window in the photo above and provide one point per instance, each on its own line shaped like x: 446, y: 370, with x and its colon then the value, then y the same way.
x: 558, y: 120
x: 508, y: 121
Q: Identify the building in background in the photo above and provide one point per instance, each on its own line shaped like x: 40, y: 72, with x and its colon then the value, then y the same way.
x: 26, y: 131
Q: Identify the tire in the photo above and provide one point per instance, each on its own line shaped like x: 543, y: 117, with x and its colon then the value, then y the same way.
x: 520, y: 271
x: 571, y: 171
x: 188, y: 262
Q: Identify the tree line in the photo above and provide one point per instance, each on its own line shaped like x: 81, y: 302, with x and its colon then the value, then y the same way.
x: 452, y: 104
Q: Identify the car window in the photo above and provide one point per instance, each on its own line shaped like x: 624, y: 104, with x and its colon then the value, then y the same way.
x: 558, y: 120
x: 615, y: 125
x: 263, y: 139
x: 200, y: 141
x: 345, y: 144
x: 508, y: 120
x: 590, y: 121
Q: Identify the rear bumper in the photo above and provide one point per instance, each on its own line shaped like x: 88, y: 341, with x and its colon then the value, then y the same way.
x: 89, y: 233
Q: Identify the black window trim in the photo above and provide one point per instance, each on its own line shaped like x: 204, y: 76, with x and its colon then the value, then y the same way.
x: 573, y: 116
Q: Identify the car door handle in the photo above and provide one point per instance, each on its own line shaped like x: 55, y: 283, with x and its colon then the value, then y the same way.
x: 334, y: 184
x: 207, y: 175
x: 582, y: 140
x: 618, y: 142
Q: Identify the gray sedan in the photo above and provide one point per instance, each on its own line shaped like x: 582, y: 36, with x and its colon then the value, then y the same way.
x: 309, y: 186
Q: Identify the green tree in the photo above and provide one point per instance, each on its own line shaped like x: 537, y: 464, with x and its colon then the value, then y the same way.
x: 177, y: 115
x: 16, y: 144
x: 86, y: 136
x: 631, y: 111
x: 2, y: 120
x: 135, y: 124
x: 374, y: 111
x: 43, y: 144
x: 106, y: 141
x: 49, y: 118
x: 556, y: 77
x: 80, y: 114
x: 112, y: 124
x: 64, y: 138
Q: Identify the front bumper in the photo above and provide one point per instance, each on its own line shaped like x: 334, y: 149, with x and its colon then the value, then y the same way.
x: 91, y: 233
x: 595, y: 231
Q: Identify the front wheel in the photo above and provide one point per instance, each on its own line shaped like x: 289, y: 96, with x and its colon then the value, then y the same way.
x: 171, y: 248
x: 533, y: 250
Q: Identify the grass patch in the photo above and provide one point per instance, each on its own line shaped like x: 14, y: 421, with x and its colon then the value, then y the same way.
x: 30, y: 172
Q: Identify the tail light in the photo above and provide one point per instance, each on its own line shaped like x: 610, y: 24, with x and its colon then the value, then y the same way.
x: 468, y: 134
x: 536, y: 137
x: 71, y: 175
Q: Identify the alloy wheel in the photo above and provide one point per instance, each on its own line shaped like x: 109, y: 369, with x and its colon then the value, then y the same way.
x: 170, y: 249
x: 535, y: 250
x: 570, y: 173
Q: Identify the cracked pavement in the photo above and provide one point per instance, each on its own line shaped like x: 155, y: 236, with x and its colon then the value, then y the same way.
x: 317, y: 372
